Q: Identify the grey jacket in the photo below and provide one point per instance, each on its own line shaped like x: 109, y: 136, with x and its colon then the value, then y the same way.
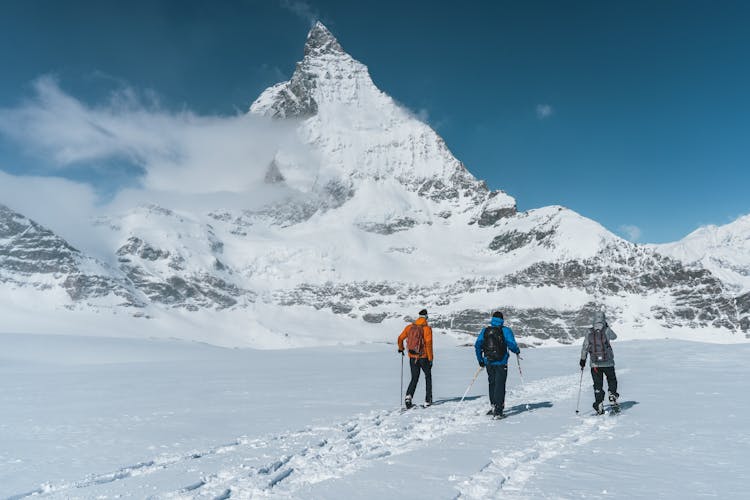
x: 599, y: 321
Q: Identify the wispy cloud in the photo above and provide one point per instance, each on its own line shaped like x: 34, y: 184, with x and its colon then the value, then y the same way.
x: 183, y: 160
x: 271, y: 74
x: 631, y: 232
x: 59, y: 204
x: 301, y: 9
x: 181, y: 152
x: 544, y: 111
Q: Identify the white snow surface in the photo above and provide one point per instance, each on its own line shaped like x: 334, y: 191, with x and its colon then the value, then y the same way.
x: 87, y: 417
x: 723, y: 250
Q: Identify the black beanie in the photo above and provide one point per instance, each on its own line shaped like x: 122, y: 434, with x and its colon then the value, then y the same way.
x: 497, y: 314
x: 423, y: 312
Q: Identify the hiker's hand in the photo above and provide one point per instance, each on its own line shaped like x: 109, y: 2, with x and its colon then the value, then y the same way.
x: 582, y: 363
x: 430, y: 364
x: 518, y: 355
x: 401, y: 351
x: 481, y: 364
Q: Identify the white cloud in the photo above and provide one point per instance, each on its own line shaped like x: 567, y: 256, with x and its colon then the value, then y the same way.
x: 301, y: 9
x: 178, y: 152
x: 187, y: 161
x: 61, y: 205
x: 272, y: 74
x: 631, y: 232
x: 544, y: 111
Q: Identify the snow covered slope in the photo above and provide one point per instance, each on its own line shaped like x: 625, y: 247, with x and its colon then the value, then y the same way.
x: 362, y: 135
x: 723, y: 250
x: 374, y: 222
x: 114, y: 418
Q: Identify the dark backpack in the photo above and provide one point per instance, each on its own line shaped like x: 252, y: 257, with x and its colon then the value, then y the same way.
x: 494, y: 346
x: 599, y: 347
x: 415, y: 340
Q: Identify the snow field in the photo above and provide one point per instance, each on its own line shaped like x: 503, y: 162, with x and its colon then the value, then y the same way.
x: 99, y: 418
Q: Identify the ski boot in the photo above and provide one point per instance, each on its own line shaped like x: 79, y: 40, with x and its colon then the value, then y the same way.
x: 599, y: 407
x: 497, y: 412
x: 427, y: 403
x: 613, y: 401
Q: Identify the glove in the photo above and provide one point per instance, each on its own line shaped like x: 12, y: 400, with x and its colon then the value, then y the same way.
x: 430, y: 365
x: 519, y: 355
x: 481, y: 364
x: 401, y: 351
x: 583, y: 364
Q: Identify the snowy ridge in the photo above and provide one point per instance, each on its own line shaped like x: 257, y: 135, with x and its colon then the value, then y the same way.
x: 723, y: 250
x: 360, y: 132
x: 32, y: 256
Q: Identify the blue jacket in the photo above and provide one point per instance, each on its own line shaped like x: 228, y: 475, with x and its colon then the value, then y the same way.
x: 510, y: 340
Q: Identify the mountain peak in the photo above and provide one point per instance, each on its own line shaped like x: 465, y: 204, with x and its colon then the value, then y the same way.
x: 321, y: 41
x: 327, y: 74
x: 364, y: 134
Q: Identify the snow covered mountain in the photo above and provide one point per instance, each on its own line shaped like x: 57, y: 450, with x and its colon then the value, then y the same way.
x: 724, y: 250
x: 378, y: 219
x: 365, y: 140
x: 31, y: 256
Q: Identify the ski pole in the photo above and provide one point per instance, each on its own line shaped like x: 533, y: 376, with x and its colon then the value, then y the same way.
x: 472, y: 383
x: 402, y: 379
x: 518, y: 360
x: 580, y: 383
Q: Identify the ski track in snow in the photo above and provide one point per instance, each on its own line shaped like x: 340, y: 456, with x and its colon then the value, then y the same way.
x: 508, y: 473
x: 283, y: 465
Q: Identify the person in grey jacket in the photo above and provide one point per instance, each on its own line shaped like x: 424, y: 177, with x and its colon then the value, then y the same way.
x: 596, y: 344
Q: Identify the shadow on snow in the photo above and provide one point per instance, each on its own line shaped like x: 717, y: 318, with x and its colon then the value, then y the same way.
x: 515, y: 410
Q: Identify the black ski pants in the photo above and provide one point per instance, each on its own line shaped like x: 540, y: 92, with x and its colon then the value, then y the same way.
x: 598, y: 375
x: 497, y: 376
x: 423, y: 364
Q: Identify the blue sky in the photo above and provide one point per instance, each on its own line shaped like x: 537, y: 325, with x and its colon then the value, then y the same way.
x: 636, y: 114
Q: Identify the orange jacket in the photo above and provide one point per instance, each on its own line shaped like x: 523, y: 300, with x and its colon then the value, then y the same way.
x: 427, y: 330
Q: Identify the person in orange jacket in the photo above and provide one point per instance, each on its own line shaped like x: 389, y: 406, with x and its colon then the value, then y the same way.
x: 418, y: 336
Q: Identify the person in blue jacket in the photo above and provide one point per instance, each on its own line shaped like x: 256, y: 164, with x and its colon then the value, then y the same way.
x: 491, y: 348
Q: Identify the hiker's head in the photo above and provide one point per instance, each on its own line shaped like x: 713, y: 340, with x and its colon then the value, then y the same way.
x: 497, y: 319
x: 423, y: 313
x: 599, y: 318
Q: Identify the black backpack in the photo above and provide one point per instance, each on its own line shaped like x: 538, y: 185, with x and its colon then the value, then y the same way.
x: 599, y: 346
x: 494, y: 345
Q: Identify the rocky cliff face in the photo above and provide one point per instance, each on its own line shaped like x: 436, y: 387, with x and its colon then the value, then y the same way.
x: 32, y: 256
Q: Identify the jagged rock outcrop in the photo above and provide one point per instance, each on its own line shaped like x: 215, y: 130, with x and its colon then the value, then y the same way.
x: 33, y: 256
